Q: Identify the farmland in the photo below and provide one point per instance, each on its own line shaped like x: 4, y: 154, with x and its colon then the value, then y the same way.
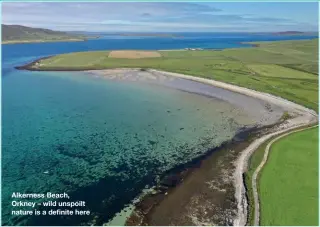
x: 288, y: 185
x: 288, y: 69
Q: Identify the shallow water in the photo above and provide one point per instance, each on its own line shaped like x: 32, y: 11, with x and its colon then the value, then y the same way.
x: 102, y: 141
x: 92, y: 134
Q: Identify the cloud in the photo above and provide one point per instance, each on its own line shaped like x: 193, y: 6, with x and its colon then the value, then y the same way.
x: 134, y: 16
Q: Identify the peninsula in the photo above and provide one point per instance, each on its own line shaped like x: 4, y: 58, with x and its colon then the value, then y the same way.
x: 21, y: 34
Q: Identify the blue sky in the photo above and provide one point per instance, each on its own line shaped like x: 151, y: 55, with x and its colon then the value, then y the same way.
x: 164, y: 17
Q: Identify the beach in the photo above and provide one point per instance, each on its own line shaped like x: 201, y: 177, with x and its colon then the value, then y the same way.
x: 159, y: 114
x: 180, y: 162
x: 94, y: 145
x: 210, y: 190
x: 207, y: 188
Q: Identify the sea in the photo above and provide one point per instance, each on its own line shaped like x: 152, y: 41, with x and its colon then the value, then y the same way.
x: 101, y: 141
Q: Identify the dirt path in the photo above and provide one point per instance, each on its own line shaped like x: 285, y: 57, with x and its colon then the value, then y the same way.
x: 257, y: 171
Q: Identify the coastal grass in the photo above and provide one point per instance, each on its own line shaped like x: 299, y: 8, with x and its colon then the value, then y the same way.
x: 299, y: 49
x: 254, y: 162
x: 83, y: 59
x: 273, y: 199
x: 288, y: 183
x: 271, y: 70
x: 288, y: 69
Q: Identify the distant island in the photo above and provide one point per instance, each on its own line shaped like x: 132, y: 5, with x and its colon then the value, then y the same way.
x: 288, y: 33
x: 151, y: 35
x: 293, y: 33
x: 21, y: 34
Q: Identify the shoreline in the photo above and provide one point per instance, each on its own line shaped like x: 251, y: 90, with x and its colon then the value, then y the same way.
x: 41, y: 41
x: 303, y: 116
x: 172, y: 182
x: 7, y: 42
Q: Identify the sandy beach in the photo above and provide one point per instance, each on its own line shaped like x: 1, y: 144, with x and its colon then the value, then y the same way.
x: 211, y: 191
x: 301, y: 117
x: 160, y: 114
x: 208, y: 190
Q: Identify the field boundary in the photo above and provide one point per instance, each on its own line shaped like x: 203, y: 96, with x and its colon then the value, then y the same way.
x: 255, y: 175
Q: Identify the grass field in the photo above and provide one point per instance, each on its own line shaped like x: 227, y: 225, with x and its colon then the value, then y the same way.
x: 133, y: 54
x: 288, y: 183
x: 286, y: 68
x: 288, y: 186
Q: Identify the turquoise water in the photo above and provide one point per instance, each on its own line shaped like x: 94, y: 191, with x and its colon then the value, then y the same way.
x: 101, y: 141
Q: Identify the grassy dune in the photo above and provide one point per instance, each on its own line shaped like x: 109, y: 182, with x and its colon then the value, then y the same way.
x: 286, y: 68
x: 288, y: 185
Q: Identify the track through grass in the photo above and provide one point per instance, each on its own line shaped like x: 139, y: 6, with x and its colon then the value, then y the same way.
x: 284, y: 200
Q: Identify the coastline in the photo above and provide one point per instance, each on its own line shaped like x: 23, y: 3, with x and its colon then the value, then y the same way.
x: 32, y: 67
x: 171, y: 180
x: 146, y: 214
x: 181, y: 182
x: 40, y: 41
x: 303, y: 116
x: 83, y: 39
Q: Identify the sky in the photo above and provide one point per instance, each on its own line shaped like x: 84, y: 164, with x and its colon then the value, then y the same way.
x: 164, y: 17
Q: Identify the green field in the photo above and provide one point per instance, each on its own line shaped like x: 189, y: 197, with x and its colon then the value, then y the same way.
x: 288, y: 184
x: 256, y: 159
x: 286, y: 68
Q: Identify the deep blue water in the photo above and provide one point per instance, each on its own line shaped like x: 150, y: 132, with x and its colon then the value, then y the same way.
x: 189, y: 40
x: 101, y: 141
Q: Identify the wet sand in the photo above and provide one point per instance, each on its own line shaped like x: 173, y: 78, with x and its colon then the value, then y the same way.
x: 260, y: 112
